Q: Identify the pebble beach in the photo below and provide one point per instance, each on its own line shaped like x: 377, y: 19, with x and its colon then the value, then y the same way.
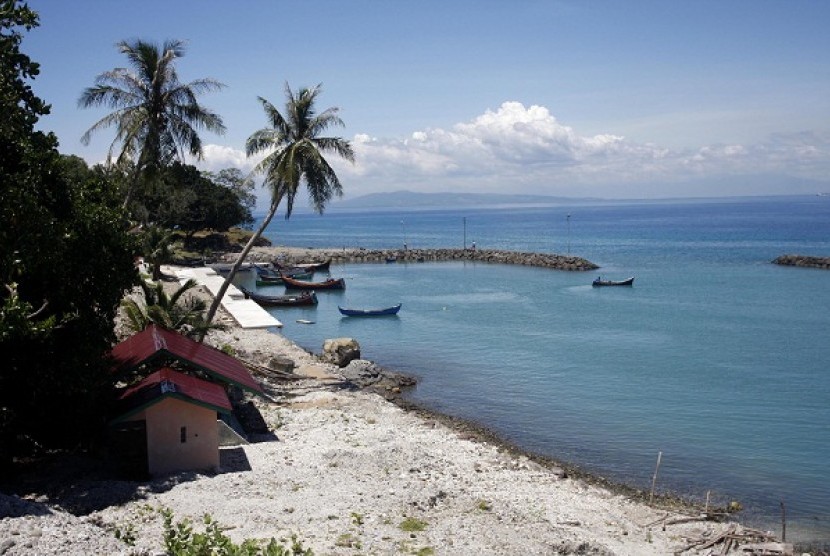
x: 344, y: 470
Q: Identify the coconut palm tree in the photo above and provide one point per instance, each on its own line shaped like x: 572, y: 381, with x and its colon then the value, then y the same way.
x: 296, y: 157
x: 156, y: 243
x: 174, y: 312
x: 155, y: 115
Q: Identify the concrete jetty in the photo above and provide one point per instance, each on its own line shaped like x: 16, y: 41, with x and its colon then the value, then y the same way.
x: 246, y: 312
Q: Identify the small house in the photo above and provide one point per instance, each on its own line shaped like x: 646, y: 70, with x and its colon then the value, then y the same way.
x: 168, y: 421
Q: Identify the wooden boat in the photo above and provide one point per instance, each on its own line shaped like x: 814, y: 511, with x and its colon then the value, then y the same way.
x: 307, y: 267
x: 330, y: 284
x: 369, y: 312
x: 302, y: 299
x: 600, y: 282
x: 315, y: 267
x: 269, y: 277
x: 225, y: 268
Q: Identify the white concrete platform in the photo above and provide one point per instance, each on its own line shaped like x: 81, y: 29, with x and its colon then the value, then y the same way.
x: 246, y: 312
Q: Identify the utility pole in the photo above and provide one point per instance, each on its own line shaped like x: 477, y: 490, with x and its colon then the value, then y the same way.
x: 568, y: 218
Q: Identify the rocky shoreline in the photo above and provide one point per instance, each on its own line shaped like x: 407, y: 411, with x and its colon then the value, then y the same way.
x: 803, y: 261
x: 343, y: 469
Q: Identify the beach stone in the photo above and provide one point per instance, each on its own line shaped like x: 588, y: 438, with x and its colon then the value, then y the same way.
x: 281, y: 363
x: 341, y: 351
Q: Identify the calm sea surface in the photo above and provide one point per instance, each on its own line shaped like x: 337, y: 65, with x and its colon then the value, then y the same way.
x: 716, y: 358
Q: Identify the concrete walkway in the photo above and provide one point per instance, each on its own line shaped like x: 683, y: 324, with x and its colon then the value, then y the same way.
x: 245, y: 312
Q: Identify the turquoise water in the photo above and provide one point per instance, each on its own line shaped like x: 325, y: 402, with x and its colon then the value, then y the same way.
x: 716, y: 358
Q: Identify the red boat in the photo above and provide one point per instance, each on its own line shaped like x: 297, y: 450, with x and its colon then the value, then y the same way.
x: 330, y: 284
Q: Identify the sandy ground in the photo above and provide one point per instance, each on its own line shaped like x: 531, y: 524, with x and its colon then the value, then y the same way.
x: 345, y: 471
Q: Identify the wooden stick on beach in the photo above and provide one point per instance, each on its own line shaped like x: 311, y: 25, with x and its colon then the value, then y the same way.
x: 654, y: 479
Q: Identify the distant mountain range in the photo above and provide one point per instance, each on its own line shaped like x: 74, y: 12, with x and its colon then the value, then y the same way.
x: 411, y: 199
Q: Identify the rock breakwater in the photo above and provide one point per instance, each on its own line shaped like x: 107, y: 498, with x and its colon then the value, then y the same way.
x: 545, y: 260
x: 803, y: 260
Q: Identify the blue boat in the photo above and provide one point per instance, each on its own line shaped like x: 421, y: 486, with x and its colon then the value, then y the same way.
x: 370, y: 312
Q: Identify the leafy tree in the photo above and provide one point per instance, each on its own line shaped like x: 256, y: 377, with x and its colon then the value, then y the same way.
x: 188, y: 200
x: 240, y: 184
x: 65, y: 263
x: 185, y: 314
x: 156, y: 116
x: 297, y: 158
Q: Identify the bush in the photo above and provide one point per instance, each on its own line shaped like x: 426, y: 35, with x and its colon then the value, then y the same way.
x: 181, y: 540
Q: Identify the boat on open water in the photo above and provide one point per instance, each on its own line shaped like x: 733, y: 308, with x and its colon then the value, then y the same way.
x: 369, y: 312
x: 308, y: 267
x: 330, y: 284
x: 600, y: 282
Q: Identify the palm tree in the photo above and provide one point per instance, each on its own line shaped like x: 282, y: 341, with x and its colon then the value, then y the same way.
x: 156, y: 116
x: 156, y: 243
x: 297, y: 157
x: 174, y: 312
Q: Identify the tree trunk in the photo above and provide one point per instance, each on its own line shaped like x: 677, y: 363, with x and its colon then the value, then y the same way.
x: 248, y: 246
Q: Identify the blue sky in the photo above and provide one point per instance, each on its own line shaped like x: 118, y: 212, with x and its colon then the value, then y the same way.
x: 607, y: 99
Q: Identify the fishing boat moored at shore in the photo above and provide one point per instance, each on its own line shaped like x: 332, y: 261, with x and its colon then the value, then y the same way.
x: 302, y: 299
x: 330, y: 284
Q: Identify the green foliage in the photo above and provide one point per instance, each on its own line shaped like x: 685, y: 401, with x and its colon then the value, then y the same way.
x: 412, y: 524
x: 156, y: 115
x: 180, y: 539
x: 156, y: 246
x: 185, y: 199
x: 296, y: 156
x: 65, y: 262
x: 126, y: 534
x: 294, y: 138
x: 177, y: 312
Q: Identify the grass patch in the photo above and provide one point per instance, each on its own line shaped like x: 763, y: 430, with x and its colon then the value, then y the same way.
x: 412, y: 525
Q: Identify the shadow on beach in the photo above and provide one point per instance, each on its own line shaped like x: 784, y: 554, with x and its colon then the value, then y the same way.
x: 82, y: 483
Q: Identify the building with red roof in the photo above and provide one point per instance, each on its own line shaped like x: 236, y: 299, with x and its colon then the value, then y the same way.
x: 168, y: 422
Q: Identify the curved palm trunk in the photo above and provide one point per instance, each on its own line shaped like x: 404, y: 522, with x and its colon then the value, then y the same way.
x: 248, y: 246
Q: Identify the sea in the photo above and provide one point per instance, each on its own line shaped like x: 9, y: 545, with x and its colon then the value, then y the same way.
x: 716, y: 360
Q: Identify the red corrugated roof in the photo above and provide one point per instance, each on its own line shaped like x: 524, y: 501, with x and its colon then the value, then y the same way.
x: 169, y: 383
x: 154, y: 342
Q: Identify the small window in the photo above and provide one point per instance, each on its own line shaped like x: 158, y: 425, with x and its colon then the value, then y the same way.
x: 183, y: 432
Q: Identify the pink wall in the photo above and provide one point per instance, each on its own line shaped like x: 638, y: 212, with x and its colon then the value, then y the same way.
x: 166, y: 453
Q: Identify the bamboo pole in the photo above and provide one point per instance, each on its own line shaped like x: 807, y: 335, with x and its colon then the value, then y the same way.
x: 654, y: 479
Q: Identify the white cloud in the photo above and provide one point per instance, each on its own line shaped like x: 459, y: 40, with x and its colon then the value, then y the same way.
x: 219, y: 157
x: 526, y: 149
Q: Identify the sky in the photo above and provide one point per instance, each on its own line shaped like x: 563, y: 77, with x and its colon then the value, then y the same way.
x: 610, y: 99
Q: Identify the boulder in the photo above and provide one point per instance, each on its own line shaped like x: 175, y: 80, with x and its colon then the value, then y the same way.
x: 341, y: 351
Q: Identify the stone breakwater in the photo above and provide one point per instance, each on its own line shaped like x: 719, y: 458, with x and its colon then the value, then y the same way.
x: 545, y: 260
x: 803, y: 260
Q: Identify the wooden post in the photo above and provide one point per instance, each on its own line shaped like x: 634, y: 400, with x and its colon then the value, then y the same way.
x: 783, y: 522
x: 706, y: 510
x: 654, y: 479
